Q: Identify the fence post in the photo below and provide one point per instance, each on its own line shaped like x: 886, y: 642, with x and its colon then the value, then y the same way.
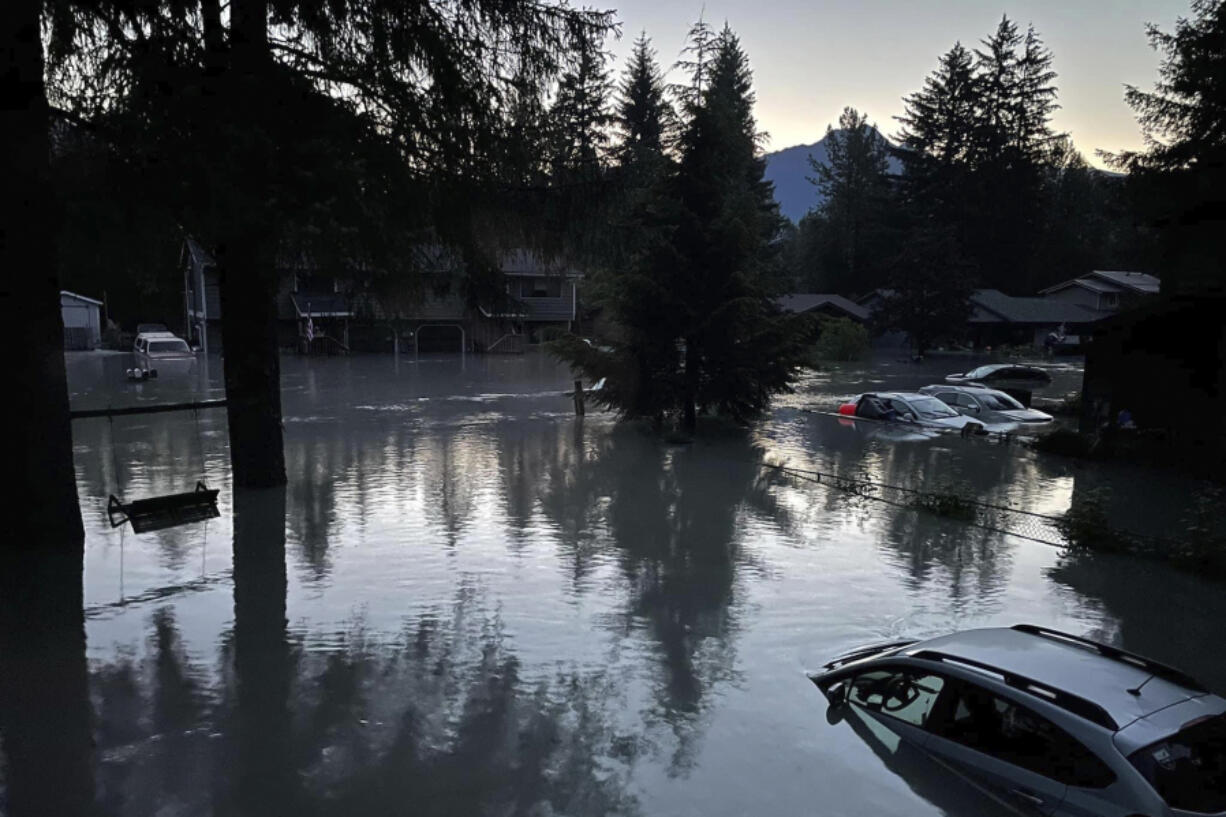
x: 579, y: 398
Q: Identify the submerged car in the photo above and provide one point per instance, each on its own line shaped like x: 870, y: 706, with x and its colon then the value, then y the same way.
x: 161, y: 347
x: 1045, y: 721
x: 1009, y: 376
x: 911, y: 408
x: 988, y: 405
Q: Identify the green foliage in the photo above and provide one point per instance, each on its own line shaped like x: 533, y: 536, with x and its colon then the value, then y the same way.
x: 698, y: 330
x: 1086, y: 525
x: 841, y: 339
x: 854, y: 218
x: 948, y: 505
x: 1065, y: 442
x: 1178, y: 181
x: 929, y: 287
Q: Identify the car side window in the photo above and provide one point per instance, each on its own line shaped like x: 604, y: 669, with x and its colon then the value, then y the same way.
x: 949, y: 398
x: 906, y: 694
x: 966, y: 401
x: 1010, y: 732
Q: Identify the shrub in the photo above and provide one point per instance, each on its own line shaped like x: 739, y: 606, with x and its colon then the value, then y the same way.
x: 1065, y: 442
x: 841, y: 339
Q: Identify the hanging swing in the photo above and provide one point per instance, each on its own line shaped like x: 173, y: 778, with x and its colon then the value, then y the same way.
x: 167, y: 511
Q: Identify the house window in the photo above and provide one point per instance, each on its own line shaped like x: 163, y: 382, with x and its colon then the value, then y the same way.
x: 541, y: 288
x: 1111, y: 299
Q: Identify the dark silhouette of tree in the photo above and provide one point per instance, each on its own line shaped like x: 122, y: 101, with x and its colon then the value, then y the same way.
x: 1181, y: 175
x: 856, y: 206
x: 928, y: 288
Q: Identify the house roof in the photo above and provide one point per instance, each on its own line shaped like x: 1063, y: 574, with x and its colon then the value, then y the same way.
x: 994, y: 306
x: 66, y: 293
x: 806, y: 301
x: 200, y: 256
x: 1110, y: 281
x: 1136, y: 281
x: 526, y: 262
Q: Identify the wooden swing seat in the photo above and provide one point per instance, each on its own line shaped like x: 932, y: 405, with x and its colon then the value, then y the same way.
x: 160, y: 512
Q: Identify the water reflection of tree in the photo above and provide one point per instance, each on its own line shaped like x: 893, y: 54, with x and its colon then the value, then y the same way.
x: 1152, y: 609
x: 438, y: 719
x: 671, y: 515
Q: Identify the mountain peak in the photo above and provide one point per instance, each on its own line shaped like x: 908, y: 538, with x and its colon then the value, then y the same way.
x: 789, y: 170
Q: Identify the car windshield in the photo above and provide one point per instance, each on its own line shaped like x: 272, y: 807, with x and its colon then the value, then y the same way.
x: 1000, y: 402
x: 1189, y: 768
x: 165, y: 346
x: 931, y: 407
x: 982, y: 371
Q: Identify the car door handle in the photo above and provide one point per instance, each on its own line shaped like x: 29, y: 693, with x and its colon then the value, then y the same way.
x: 1028, y: 796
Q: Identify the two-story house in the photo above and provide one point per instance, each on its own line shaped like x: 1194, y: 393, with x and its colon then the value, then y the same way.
x: 1104, y: 290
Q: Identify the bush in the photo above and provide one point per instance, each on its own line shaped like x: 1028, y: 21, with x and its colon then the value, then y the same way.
x: 1065, y: 442
x: 841, y: 339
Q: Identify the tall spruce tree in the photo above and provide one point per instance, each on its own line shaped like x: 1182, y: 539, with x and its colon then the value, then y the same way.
x: 638, y: 362
x: 855, y: 185
x: 1180, y: 177
x: 697, y: 326
x: 738, y: 351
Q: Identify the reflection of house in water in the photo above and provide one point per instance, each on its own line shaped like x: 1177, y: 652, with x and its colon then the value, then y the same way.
x: 325, y: 312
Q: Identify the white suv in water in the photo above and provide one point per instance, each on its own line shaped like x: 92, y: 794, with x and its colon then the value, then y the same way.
x: 1048, y: 723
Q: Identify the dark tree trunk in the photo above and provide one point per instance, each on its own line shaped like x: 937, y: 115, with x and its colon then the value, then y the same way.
x: 247, y: 260
x: 265, y: 779
x: 689, y: 390
x: 252, y: 365
x: 48, y: 516
x: 46, y: 725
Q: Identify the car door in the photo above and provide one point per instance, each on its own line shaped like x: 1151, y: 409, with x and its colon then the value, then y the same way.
x: 1000, y: 745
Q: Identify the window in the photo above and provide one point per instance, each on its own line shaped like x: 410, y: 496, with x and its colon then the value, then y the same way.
x: 900, y: 693
x: 1010, y: 732
x: 540, y: 288
x: 949, y: 398
x: 932, y: 408
x: 1189, y: 768
x: 965, y: 401
x: 1000, y: 402
x: 164, y: 346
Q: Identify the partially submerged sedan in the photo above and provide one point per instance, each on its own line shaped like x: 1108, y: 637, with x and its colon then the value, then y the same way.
x: 1010, y: 376
x: 911, y: 408
x: 987, y: 405
x: 1046, y: 722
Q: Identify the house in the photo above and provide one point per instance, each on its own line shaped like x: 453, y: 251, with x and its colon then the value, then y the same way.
x: 82, y: 318
x: 834, y: 306
x: 542, y: 295
x: 305, y: 298
x: 998, y: 319
x: 329, y: 313
x: 1104, y: 290
x: 1165, y: 362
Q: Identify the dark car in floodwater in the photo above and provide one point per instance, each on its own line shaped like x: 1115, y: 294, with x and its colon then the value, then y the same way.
x: 909, y: 408
x: 1047, y: 722
x: 1007, y: 376
x: 987, y: 405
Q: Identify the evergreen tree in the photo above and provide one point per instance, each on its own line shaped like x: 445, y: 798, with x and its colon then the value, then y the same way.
x: 645, y: 119
x: 737, y: 350
x: 936, y: 142
x: 928, y: 288
x: 579, y: 118
x: 1181, y: 176
x: 697, y: 329
x: 854, y: 181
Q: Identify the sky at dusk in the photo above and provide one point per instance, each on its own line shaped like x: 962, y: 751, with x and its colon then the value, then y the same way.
x: 813, y: 57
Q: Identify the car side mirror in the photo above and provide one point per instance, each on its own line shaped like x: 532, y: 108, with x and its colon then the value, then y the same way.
x: 973, y: 409
x: 836, y: 694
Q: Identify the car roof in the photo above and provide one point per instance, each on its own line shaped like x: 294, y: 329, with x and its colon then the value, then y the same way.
x: 1067, y: 666
x: 160, y: 334
x: 935, y: 387
x: 902, y: 395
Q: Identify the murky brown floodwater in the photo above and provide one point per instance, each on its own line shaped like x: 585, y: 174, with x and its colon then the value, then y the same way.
x: 492, y: 607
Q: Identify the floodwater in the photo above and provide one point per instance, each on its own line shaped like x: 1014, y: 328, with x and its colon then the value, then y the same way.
x: 485, y: 605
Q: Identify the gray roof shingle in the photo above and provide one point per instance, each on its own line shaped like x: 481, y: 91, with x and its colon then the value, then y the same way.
x: 994, y: 306
x: 805, y: 301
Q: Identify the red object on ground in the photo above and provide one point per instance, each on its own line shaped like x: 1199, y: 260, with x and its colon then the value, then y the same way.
x: 848, y: 409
